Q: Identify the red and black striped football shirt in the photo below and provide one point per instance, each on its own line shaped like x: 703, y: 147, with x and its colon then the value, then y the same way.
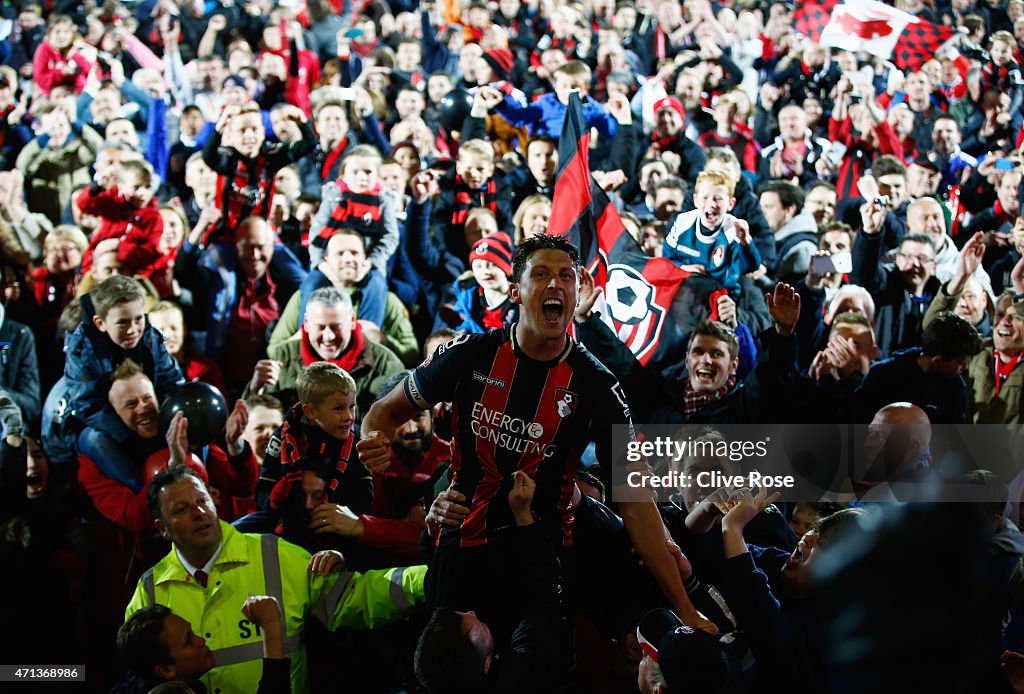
x: 511, y: 412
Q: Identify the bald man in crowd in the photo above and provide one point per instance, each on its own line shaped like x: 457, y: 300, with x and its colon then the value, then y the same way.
x: 897, y: 454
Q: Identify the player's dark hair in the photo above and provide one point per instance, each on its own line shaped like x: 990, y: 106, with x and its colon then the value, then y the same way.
x: 446, y: 660
x: 995, y: 491
x: 541, y: 242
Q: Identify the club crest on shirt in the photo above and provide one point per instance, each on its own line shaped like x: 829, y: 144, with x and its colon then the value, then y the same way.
x: 718, y: 256
x: 565, y: 402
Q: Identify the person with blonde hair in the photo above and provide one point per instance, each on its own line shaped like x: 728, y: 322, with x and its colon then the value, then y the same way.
x: 531, y: 217
x: 709, y: 240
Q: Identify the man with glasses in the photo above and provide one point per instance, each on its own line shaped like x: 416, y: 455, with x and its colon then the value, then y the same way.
x: 902, y: 293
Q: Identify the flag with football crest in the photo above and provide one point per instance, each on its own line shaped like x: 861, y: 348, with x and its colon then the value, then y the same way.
x: 873, y: 27
x: 642, y: 300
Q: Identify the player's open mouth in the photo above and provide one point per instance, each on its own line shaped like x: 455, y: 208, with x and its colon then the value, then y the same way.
x: 795, y: 559
x: 552, y: 309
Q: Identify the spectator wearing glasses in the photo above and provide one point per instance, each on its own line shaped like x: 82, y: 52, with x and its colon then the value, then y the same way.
x: 902, y: 293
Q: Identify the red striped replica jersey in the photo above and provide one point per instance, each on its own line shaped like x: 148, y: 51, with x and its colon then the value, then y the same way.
x: 511, y: 413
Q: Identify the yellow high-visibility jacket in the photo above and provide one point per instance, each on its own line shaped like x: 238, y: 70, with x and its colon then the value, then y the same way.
x: 267, y: 565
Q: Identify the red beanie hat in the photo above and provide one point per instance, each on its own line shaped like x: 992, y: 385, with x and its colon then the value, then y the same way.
x: 501, y: 61
x: 497, y: 248
x: 672, y: 103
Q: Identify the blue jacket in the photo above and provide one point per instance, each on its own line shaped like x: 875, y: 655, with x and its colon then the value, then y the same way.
x: 435, y: 266
x: 469, y: 305
x: 91, y: 356
x: 719, y: 252
x: 213, y: 275
x: 547, y: 114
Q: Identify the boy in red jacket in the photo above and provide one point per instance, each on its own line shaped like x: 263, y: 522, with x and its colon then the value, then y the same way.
x: 123, y: 200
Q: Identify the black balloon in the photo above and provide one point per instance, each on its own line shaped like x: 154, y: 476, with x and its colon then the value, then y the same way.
x: 203, y: 407
x: 453, y: 109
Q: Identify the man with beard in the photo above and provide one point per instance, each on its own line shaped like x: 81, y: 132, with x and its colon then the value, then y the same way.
x: 390, y: 529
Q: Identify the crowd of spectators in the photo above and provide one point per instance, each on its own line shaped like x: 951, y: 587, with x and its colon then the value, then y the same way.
x: 297, y: 202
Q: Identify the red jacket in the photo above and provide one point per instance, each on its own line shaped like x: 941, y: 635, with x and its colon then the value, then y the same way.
x: 138, y: 228
x: 859, y: 155
x: 396, y: 539
x: 48, y: 69
x: 128, y: 510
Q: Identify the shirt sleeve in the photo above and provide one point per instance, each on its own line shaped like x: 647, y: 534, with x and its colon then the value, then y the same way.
x: 435, y: 379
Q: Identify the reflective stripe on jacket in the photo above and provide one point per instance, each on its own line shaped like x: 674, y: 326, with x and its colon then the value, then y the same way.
x: 267, y: 565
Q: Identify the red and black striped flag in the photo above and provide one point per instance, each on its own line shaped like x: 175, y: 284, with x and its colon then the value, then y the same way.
x: 873, y: 27
x: 639, y: 291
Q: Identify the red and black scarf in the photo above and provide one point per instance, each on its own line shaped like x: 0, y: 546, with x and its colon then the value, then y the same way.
x: 466, y: 200
x: 695, y: 402
x: 348, y: 359
x: 359, y: 211
x: 245, y: 195
x: 303, y: 440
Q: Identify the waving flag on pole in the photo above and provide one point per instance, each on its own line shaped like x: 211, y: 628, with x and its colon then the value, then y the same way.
x: 639, y: 291
x: 874, y: 27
